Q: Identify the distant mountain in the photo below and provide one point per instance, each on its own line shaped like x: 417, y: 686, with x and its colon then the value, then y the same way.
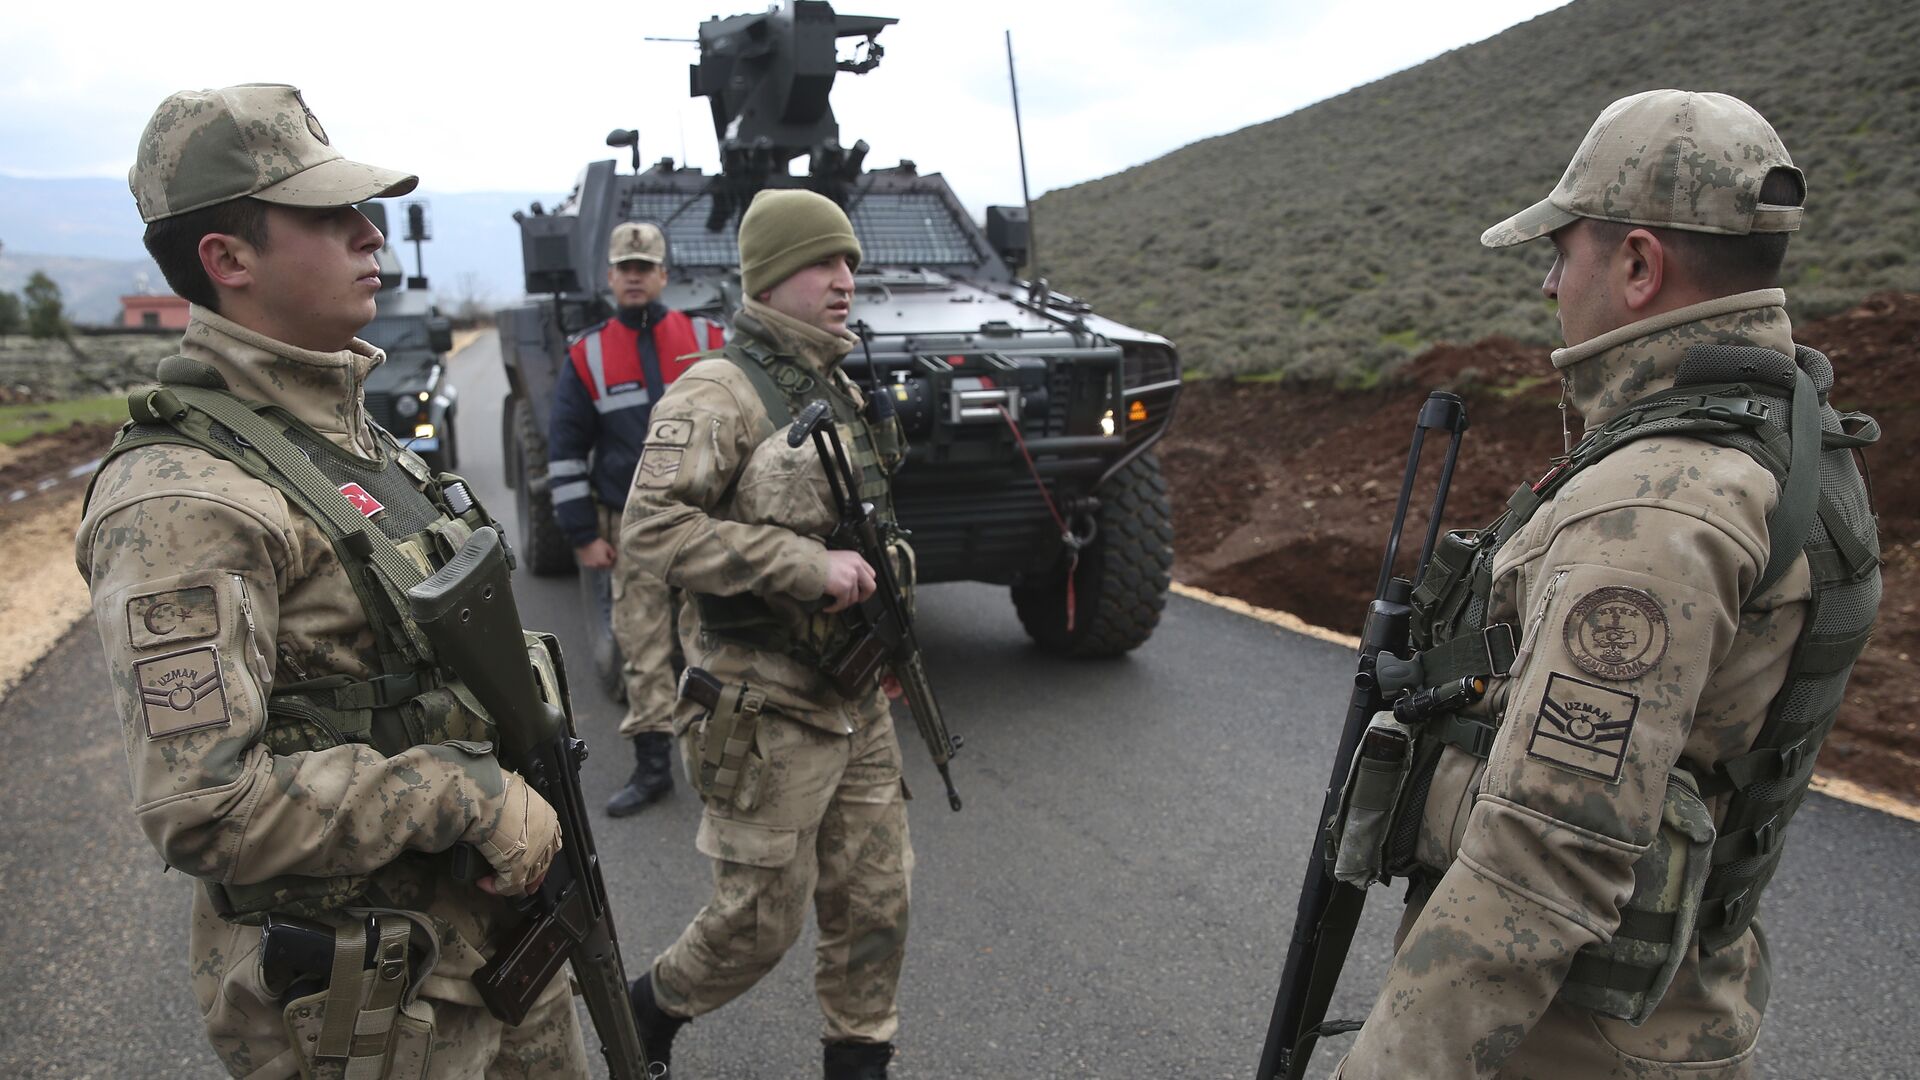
x: 1342, y: 238
x: 85, y: 233
x: 90, y: 289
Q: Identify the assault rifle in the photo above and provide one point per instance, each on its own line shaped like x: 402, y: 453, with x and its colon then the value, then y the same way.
x: 883, y: 631
x: 1329, y: 910
x: 468, y: 614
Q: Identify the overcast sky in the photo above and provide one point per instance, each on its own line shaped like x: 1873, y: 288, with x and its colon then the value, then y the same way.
x: 477, y: 101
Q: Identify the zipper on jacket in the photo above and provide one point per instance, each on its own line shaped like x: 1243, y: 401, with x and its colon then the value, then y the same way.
x: 1527, y: 640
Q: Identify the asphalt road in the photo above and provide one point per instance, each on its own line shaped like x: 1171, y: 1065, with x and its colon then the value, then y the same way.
x: 1113, y: 902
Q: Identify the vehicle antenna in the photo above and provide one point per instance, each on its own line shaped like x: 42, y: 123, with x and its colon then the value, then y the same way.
x: 1037, y: 286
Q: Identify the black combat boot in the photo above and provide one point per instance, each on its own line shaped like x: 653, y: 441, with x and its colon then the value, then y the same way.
x: 657, y: 1026
x: 857, y: 1060
x: 652, y: 774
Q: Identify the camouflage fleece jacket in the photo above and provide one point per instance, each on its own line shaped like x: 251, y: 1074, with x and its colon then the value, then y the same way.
x: 208, y: 588
x: 722, y: 505
x: 1667, y: 534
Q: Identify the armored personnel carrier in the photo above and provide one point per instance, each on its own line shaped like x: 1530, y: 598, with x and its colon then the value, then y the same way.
x: 1031, y: 418
x: 409, y: 395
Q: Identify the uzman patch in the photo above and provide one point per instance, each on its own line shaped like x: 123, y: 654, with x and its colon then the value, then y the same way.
x: 182, y: 692
x: 1583, y: 727
x: 1617, y: 633
x: 658, y: 466
x: 175, y: 615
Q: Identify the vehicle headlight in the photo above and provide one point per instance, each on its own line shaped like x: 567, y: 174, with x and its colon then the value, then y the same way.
x: 407, y: 405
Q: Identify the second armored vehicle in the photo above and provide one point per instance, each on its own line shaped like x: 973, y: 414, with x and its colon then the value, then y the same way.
x: 410, y: 395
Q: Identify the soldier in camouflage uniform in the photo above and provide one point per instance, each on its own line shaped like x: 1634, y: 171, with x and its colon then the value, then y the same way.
x: 1568, y: 924
x: 803, y: 790
x: 279, y: 750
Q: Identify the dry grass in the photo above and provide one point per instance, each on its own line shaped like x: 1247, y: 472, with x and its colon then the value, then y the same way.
x: 1364, y: 211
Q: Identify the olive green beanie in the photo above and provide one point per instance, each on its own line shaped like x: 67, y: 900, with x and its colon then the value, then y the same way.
x: 785, y: 229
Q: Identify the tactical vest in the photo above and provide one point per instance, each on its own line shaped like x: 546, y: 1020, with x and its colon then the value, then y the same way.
x: 1766, y: 405
x: 422, y: 521
x: 785, y: 387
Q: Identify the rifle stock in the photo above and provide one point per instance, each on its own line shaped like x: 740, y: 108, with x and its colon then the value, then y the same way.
x: 468, y: 614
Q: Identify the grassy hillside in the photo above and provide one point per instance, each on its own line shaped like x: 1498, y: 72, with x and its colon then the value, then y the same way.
x: 1343, y: 238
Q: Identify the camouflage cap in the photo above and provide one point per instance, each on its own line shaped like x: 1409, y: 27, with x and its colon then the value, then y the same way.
x: 636, y: 240
x: 1679, y: 159
x: 204, y: 147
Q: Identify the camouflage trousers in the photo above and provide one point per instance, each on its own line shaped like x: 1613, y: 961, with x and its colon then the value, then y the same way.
x: 256, y: 1038
x: 643, y: 627
x: 829, y: 826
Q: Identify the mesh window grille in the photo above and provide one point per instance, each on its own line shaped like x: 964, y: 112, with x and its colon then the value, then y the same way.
x: 895, y: 229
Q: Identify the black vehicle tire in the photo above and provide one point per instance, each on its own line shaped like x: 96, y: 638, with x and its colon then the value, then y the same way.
x: 1123, y: 577
x: 541, y: 546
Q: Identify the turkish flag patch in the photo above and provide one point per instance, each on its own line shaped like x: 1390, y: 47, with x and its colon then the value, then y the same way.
x: 363, y: 502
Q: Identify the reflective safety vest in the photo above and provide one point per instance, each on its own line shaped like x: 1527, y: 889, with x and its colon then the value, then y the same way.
x: 596, y: 437
x: 610, y: 363
x: 422, y: 521
x: 1771, y: 407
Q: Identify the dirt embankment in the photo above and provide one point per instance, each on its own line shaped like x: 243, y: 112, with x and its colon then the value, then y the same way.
x: 1283, y: 494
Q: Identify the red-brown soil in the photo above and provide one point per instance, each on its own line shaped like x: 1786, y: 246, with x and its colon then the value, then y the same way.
x: 1283, y: 493
x: 51, y: 454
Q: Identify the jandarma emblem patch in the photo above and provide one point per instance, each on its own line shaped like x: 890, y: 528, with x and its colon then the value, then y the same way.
x: 182, y: 692
x: 1583, y: 727
x: 1617, y: 633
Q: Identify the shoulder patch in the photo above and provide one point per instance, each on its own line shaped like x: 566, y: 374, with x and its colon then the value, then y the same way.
x: 1617, y: 633
x: 670, y: 433
x: 1583, y: 727
x: 177, y: 615
x: 182, y: 692
x: 658, y: 466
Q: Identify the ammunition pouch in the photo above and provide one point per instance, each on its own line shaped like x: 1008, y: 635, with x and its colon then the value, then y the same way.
x: 1627, y: 976
x: 1376, y: 835
x: 726, y: 758
x: 1362, y: 827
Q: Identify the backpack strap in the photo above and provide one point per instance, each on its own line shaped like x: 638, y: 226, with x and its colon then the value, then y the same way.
x: 1792, y: 518
x: 356, y: 536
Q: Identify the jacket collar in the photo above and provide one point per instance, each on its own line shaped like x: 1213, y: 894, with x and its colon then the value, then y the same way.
x: 1616, y: 369
x: 322, y: 390
x: 817, y: 349
x: 642, y: 317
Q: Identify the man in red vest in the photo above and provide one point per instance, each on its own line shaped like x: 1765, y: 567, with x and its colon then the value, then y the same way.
x: 602, y: 402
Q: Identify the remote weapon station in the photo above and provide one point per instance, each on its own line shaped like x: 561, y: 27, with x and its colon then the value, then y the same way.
x: 1030, y: 418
